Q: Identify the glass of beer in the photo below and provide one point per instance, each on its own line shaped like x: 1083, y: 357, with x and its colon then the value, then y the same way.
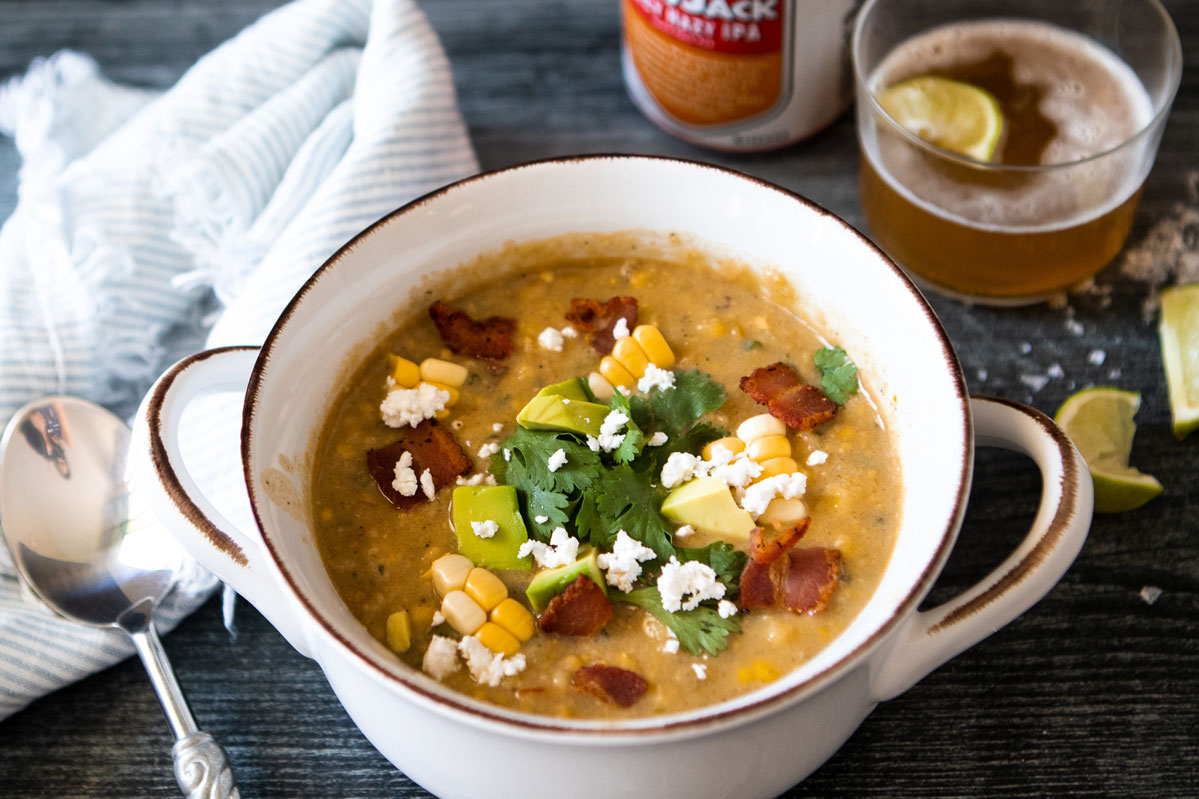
x: 1004, y: 143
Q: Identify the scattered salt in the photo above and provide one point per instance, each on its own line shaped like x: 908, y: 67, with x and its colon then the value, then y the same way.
x: 1150, y: 594
x: 1035, y: 382
x: 1097, y: 357
x: 1025, y: 347
x: 1074, y: 327
x: 982, y: 375
x: 1055, y: 371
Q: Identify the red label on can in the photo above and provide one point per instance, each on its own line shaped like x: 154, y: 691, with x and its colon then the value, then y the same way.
x: 737, y: 27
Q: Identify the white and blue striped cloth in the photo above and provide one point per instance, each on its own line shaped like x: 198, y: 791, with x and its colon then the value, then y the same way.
x: 270, y: 153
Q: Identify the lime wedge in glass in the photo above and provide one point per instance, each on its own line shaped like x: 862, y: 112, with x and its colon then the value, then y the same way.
x: 1179, y: 332
x: 1099, y: 422
x: 956, y: 116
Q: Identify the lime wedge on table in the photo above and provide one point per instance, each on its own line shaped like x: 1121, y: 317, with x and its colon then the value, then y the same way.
x: 948, y: 113
x: 1099, y: 422
x: 1179, y: 331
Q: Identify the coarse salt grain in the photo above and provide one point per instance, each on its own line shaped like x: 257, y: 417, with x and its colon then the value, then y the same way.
x: 1055, y: 371
x: 982, y: 375
x: 623, y: 564
x: 1025, y: 347
x: 411, y: 406
x: 1097, y: 357
x: 1035, y: 382
x: 557, y: 460
x: 550, y: 339
x: 1074, y: 327
x: 1150, y: 594
x: 485, y: 529
x: 655, y: 377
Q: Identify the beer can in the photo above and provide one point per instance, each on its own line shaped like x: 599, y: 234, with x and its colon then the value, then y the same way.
x: 738, y: 75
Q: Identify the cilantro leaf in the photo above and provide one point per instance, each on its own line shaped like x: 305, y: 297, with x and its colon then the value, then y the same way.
x: 693, y: 440
x: 634, y: 439
x: 528, y: 467
x: 699, y: 631
x: 552, y: 504
x: 625, y: 500
x: 724, y: 560
x: 839, y: 375
x: 674, y: 410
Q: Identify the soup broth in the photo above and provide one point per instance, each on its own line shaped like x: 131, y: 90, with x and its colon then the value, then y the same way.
x: 717, y: 317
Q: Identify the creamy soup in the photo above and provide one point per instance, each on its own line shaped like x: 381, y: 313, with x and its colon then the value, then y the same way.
x: 755, y: 551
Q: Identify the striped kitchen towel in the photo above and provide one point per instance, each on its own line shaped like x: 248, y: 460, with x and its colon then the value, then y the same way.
x: 144, y: 218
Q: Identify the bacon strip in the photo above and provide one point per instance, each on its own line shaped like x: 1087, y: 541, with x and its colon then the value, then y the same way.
x: 582, y: 610
x: 609, y: 684
x: 811, y: 579
x: 799, y: 405
x: 765, y: 550
x: 490, y: 339
x: 432, y: 447
x: 761, y: 583
x: 597, y: 319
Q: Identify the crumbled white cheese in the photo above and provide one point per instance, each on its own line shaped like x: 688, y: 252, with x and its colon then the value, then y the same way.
x: 507, y: 454
x: 655, y: 377
x: 817, y: 457
x: 739, y: 472
x: 426, y: 484
x: 726, y: 609
x: 411, y: 406
x: 621, y: 329
x: 684, y: 531
x: 438, y: 619
x: 486, y: 528
x: 657, y: 439
x: 541, y: 519
x: 477, y: 479
x: 498, y: 427
x: 569, y: 332
x: 550, y: 339
x: 563, y: 549
x: 1097, y: 357
x: 677, y: 580
x: 701, y: 671
x: 1055, y: 371
x: 610, y: 436
x: 678, y: 469
x: 488, y: 449
x: 787, y: 486
x: 623, y: 564
x: 671, y: 647
x: 565, y: 400
x: 487, y: 667
x: 593, y: 444
x: 625, y: 391
x: 405, y: 479
x: 557, y: 460
x: 441, y: 658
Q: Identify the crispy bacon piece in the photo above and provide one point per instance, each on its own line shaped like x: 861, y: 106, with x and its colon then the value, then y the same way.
x: 811, y: 579
x: 609, y: 684
x: 490, y: 339
x: 582, y: 609
x: 767, y: 550
x: 799, y: 405
x: 760, y: 583
x: 432, y: 447
x: 597, y: 319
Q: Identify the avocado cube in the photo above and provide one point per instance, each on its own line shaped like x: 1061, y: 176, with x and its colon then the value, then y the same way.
x: 562, y: 414
x: 548, y: 583
x: 574, y: 389
x: 490, y: 503
x: 707, y: 505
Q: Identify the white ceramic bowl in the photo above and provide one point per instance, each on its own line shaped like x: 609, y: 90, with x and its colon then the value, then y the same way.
x: 746, y: 747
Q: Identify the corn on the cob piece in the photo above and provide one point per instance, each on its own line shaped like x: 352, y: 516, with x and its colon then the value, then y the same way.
x: 403, y: 371
x: 776, y: 466
x: 435, y: 370
x: 615, y: 373
x: 630, y: 358
x: 399, y: 632
x: 512, y: 616
x: 600, y: 387
x: 450, y: 572
x: 783, y: 514
x: 463, y: 614
x: 731, y: 443
x: 768, y: 447
x: 497, y: 639
x: 453, y: 392
x: 763, y: 424
x: 630, y: 355
x: 485, y: 588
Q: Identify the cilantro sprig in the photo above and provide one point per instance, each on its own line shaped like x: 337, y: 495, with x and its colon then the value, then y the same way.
x: 838, y: 374
x: 699, y: 631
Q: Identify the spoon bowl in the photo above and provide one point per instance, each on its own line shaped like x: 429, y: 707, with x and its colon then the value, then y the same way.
x: 88, y: 548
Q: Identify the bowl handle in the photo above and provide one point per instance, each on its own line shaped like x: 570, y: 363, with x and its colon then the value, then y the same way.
x: 1054, y: 540
x: 234, y: 555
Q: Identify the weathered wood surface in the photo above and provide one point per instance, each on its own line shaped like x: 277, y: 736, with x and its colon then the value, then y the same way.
x: 1094, y: 692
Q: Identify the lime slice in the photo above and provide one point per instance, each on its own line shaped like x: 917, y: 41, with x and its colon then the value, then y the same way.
x: 1099, y: 422
x: 1180, y: 353
x: 948, y: 113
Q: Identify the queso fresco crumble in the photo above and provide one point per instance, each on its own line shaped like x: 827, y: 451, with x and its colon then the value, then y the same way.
x: 676, y: 495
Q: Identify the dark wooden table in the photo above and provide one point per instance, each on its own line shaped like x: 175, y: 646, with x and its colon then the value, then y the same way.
x: 1094, y: 692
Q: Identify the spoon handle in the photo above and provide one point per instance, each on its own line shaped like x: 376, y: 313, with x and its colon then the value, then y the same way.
x: 201, y: 765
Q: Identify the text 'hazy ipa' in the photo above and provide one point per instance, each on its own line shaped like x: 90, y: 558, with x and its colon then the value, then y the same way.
x: 1056, y: 202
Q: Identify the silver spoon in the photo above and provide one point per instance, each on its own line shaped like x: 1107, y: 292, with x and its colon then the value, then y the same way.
x: 80, y: 541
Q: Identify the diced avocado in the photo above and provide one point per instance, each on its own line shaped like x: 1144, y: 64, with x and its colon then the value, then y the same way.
x: 573, y: 389
x: 548, y: 583
x: 558, y: 413
x: 490, y: 503
x: 707, y: 505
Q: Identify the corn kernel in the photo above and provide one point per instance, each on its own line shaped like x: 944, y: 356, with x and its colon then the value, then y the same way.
x: 767, y: 447
x: 655, y: 346
x: 399, y: 632
x: 639, y: 279
x: 485, y: 588
x: 497, y: 639
x: 326, y: 514
x: 462, y: 613
x: 453, y: 392
x: 435, y: 370
x: 403, y: 371
x: 600, y: 387
x: 449, y: 573
x: 783, y: 514
x: 731, y: 443
x: 716, y: 330
x: 756, y: 427
x: 512, y: 616
x: 615, y: 373
x: 422, y: 616
x: 776, y: 466
x: 758, y: 671
x: 631, y: 356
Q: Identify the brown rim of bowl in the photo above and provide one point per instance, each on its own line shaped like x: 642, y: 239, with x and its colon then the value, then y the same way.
x: 695, y: 723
